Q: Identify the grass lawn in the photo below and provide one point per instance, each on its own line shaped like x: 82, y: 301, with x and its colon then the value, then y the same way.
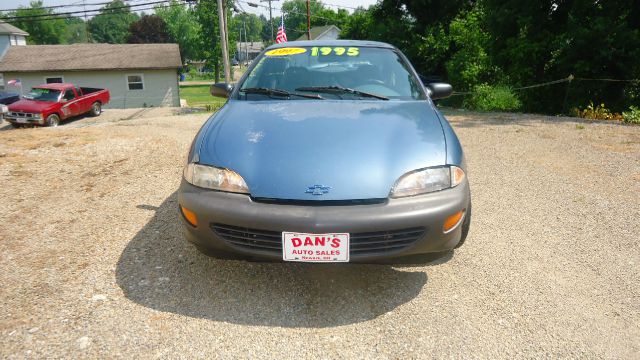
x: 198, y: 95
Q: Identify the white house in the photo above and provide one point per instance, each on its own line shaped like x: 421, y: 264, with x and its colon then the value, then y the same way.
x: 10, y: 36
x: 248, y: 50
x: 328, y: 32
x: 137, y: 75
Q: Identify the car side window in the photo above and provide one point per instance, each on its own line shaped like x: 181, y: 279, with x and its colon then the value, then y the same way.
x: 69, y: 95
x: 78, y: 91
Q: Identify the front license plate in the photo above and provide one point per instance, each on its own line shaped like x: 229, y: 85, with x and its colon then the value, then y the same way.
x: 21, y: 121
x: 316, y: 248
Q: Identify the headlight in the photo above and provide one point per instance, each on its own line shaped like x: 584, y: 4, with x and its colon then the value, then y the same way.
x: 427, y: 180
x: 37, y: 116
x: 210, y: 177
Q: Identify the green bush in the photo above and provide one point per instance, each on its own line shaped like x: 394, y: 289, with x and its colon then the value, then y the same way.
x: 470, y: 64
x: 492, y: 98
x: 596, y: 112
x: 632, y: 116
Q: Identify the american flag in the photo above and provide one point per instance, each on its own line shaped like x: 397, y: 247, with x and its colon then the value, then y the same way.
x: 281, y: 36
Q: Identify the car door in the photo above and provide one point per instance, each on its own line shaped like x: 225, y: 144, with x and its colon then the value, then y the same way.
x: 70, y: 103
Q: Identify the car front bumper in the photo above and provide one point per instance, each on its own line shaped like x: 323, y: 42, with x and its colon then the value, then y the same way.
x: 24, y: 120
x: 238, y: 211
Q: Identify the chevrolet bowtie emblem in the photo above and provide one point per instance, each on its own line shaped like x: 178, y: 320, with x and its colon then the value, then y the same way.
x: 318, y: 190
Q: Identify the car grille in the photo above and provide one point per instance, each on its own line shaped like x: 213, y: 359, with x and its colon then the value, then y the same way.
x: 21, y: 114
x: 369, y: 243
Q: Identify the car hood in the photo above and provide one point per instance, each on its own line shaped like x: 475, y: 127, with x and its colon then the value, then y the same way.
x: 355, y: 149
x: 31, y: 106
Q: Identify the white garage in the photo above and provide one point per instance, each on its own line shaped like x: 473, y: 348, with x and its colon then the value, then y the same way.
x: 137, y: 75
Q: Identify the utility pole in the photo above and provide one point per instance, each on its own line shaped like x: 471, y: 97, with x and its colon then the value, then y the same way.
x: 270, y: 17
x: 86, y: 22
x: 224, y: 40
x: 308, y: 21
x: 246, y: 37
x: 238, y: 56
x: 246, y: 42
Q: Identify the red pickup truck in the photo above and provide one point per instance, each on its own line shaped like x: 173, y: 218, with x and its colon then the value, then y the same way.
x: 49, y: 104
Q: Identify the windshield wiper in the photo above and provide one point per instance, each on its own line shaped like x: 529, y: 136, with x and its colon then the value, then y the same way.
x: 341, y: 89
x: 278, y: 92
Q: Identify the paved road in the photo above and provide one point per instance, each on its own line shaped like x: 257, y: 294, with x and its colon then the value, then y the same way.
x: 93, y: 264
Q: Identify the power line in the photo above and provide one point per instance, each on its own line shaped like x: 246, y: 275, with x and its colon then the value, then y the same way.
x: 609, y: 80
x: 335, y: 5
x: 287, y: 11
x: 113, y: 11
x: 54, y: 17
x: 13, y: 18
x: 72, y: 5
x: 569, y: 78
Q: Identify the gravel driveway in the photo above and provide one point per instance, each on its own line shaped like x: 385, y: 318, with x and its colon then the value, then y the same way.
x: 93, y: 264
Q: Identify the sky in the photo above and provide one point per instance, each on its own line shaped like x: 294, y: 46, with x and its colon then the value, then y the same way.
x: 334, y: 4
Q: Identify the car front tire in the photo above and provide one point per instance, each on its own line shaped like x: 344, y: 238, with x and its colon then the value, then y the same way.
x: 53, y: 120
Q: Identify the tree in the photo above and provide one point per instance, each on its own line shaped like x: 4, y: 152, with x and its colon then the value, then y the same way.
x: 266, y: 30
x: 469, y: 63
x: 295, y: 17
x: 207, y: 16
x: 550, y: 40
x: 76, y: 31
x: 429, y: 13
x: 50, y: 31
x: 250, y: 22
x: 148, y: 29
x: 111, y: 25
x: 389, y: 23
x: 183, y: 28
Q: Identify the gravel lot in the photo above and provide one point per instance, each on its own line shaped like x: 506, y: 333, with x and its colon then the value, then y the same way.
x: 93, y: 264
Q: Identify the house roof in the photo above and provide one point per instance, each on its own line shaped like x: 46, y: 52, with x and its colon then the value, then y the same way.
x: 77, y: 57
x: 6, y: 28
x: 317, y: 31
x: 255, y: 46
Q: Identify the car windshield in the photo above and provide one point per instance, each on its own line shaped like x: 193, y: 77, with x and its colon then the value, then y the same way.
x: 43, y: 94
x: 333, y: 72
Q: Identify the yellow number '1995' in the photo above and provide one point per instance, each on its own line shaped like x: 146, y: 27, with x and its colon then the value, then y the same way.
x: 340, y: 51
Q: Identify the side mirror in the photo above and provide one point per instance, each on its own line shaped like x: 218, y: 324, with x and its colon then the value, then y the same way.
x: 221, y: 89
x: 440, y: 90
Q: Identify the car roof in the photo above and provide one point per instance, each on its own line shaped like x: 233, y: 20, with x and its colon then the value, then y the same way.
x: 344, y: 43
x: 55, y: 86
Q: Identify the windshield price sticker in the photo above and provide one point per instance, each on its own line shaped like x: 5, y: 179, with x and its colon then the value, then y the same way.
x: 339, y: 51
x: 315, y: 247
x: 286, y: 51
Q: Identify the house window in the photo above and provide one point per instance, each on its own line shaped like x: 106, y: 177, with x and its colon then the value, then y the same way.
x: 135, y: 82
x: 54, y: 80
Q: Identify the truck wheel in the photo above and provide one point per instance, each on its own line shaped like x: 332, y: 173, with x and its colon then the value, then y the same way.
x: 53, y: 120
x: 96, y: 109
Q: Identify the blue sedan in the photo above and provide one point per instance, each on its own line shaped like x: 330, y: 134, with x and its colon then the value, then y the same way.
x: 326, y: 151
